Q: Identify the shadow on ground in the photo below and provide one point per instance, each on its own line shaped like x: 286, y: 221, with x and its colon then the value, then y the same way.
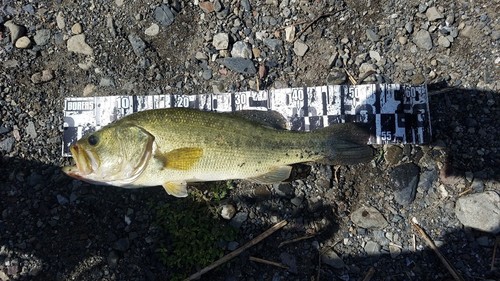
x: 62, y: 228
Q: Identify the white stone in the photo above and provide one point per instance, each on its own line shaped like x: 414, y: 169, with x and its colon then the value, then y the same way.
x: 61, y: 24
x: 480, y: 211
x: 290, y: 33
x: 77, y: 44
x: 23, y: 42
x: 153, y: 30
x: 300, y: 48
x: 221, y: 41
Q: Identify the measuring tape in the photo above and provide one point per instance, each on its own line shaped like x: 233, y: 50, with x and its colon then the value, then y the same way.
x: 395, y: 113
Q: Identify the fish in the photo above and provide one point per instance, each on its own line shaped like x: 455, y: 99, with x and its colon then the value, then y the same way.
x: 176, y: 146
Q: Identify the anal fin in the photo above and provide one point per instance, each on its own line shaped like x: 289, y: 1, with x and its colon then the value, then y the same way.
x: 177, y: 189
x: 275, y: 175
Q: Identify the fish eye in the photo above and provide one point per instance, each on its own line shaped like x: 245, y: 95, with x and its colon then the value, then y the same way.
x: 93, y: 140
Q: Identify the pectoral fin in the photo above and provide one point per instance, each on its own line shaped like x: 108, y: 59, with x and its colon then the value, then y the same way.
x: 177, y: 189
x: 180, y: 159
x: 277, y: 174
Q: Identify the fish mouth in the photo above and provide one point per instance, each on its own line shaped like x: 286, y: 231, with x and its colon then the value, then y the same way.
x: 85, y: 162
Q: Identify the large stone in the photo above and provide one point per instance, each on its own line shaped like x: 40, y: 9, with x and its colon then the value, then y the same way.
x: 221, y: 41
x: 433, y: 14
x: 368, y: 217
x: 480, y: 211
x: 405, y: 179
x: 240, y: 65
x: 423, y: 40
x: 164, y: 15
x: 77, y: 44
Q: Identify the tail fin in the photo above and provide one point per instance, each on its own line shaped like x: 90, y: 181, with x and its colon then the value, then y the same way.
x: 347, y: 144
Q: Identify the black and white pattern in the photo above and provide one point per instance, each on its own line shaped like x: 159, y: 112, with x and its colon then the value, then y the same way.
x: 395, y: 113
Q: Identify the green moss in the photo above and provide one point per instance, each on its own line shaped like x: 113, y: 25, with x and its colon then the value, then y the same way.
x: 193, y: 232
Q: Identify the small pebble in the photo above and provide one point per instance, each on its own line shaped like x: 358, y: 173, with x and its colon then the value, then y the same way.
x: 23, y: 42
x: 76, y: 28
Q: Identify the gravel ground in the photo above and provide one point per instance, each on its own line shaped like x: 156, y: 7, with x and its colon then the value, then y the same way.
x: 56, y: 228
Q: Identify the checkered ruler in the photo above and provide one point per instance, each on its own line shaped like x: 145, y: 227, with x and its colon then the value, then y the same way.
x: 395, y: 113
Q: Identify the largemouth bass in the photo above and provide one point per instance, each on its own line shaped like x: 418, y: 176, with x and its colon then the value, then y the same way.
x: 176, y: 146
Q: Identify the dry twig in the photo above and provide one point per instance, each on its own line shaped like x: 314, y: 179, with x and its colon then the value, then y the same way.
x: 238, y: 251
x: 497, y: 241
x: 436, y: 250
x: 369, y: 274
x: 351, y: 78
x: 277, y: 264
x: 295, y: 240
x: 467, y: 191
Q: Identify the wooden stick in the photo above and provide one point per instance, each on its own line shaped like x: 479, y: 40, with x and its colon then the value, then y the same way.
x: 497, y: 241
x: 255, y: 259
x: 369, y: 274
x: 465, y: 192
x: 433, y: 246
x: 295, y: 240
x: 238, y: 251
x: 351, y: 78
x: 319, y: 265
x: 314, y: 21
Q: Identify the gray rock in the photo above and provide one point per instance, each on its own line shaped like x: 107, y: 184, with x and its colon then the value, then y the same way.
x: 137, y: 44
x: 290, y: 261
x: 372, y: 36
x: 300, y: 48
x: 423, y: 40
x: 405, y: 179
x: 367, y: 67
x: 241, y: 50
x: 246, y: 5
x: 218, y: 6
x: 284, y: 189
x: 31, y: 130
x: 16, y: 31
x: 164, y: 15
x: 444, y: 42
x: 394, y: 251
x: 314, y: 203
x: 207, y: 74
x: 221, y: 41
x: 60, y: 21
x: 336, y: 76
x: 62, y: 200
x: 422, y: 7
x: 42, y: 37
x: 7, y: 144
x: 372, y: 248
x: 331, y: 258
x: 273, y: 44
x: 409, y: 27
x: 121, y: 244
x: 233, y: 245
x: 240, y: 65
x: 368, y: 217
x: 42, y: 77
x: 113, y: 259
x: 238, y: 219
x: 480, y: 211
x: 4, y: 130
x: 77, y: 44
x: 375, y: 55
x: 427, y: 179
x: 106, y: 82
x: 433, y: 14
